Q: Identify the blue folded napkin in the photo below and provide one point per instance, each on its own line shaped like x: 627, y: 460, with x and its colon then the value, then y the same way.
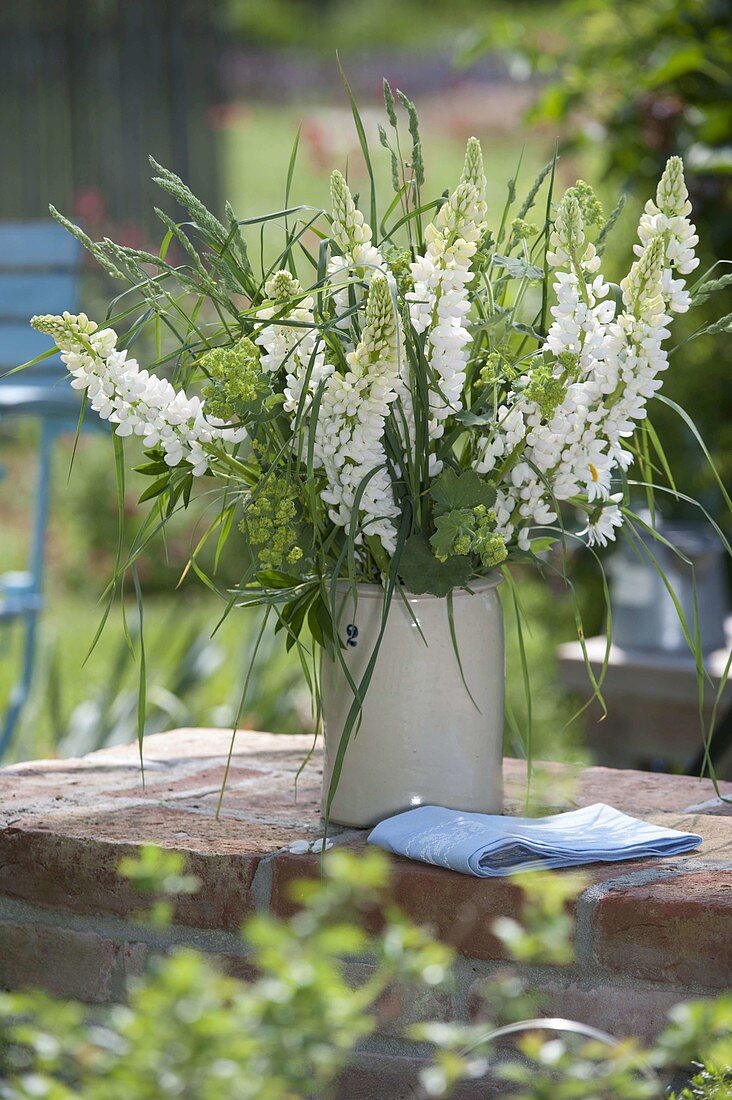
x: 487, y: 845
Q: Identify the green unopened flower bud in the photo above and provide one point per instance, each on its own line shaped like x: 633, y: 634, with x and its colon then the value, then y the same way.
x: 270, y: 522
x: 492, y: 551
x: 64, y: 329
x: 400, y: 260
x: 235, y: 379
x: 473, y: 170
x: 642, y: 287
x: 282, y: 286
x: 379, y: 331
x: 490, y: 372
x: 346, y: 218
x: 589, y: 203
x: 672, y: 194
x: 568, y: 224
x: 544, y: 389
x: 522, y: 230
x: 568, y: 360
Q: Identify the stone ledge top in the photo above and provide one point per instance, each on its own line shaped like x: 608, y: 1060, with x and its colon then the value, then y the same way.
x: 65, y: 823
x: 274, y: 779
x: 273, y: 791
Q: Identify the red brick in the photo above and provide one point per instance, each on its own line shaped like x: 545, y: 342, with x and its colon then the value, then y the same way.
x: 79, y: 872
x: 68, y: 822
x: 401, y: 1005
x: 677, y: 931
x: 137, y: 957
x: 236, y: 966
x: 162, y: 785
x: 69, y: 963
x: 622, y: 1010
x: 134, y: 958
x: 394, y: 1077
x: 458, y: 908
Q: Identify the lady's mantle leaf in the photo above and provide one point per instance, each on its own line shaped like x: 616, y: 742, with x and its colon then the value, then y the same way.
x: 423, y: 573
x: 449, y: 527
x: 466, y: 490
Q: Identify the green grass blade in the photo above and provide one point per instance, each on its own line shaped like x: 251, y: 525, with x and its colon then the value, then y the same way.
x: 142, y: 685
x: 364, y: 145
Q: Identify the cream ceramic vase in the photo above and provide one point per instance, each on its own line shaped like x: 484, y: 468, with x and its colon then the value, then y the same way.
x: 421, y: 739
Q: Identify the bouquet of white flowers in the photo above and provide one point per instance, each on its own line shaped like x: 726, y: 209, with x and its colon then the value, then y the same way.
x: 410, y: 400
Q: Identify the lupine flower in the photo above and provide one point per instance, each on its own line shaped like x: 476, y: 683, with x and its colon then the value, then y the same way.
x: 439, y: 302
x: 135, y: 401
x: 607, y: 367
x: 349, y: 442
x: 359, y: 258
x: 291, y: 343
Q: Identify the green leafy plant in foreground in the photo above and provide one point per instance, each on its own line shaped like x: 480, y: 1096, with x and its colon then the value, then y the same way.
x: 187, y: 1031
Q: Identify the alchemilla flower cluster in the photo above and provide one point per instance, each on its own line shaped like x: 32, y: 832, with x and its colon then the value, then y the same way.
x: 422, y: 404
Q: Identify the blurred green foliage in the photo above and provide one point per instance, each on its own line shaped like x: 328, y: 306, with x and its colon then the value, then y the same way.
x: 186, y: 1031
x: 90, y: 499
x: 79, y: 705
x: 324, y: 26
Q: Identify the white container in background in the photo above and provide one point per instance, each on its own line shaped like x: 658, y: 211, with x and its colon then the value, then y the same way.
x: 421, y: 739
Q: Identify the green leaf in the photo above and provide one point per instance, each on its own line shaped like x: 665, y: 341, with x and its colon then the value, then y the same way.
x: 680, y: 63
x: 466, y: 490
x: 474, y: 420
x: 423, y: 573
x: 448, y: 527
x: 519, y: 269
x: 273, y: 578
x: 526, y: 330
x: 155, y: 467
x: 362, y: 141
x: 321, y: 624
x: 538, y: 546
x: 155, y: 489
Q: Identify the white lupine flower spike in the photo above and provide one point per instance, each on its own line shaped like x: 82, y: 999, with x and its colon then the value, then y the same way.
x: 605, y: 365
x: 349, y: 443
x: 135, y: 401
x: 290, y: 344
x: 440, y: 301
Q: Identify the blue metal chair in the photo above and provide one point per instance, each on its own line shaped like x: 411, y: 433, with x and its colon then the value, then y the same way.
x: 39, y: 273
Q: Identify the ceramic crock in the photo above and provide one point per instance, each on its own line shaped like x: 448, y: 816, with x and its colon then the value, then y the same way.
x: 429, y: 733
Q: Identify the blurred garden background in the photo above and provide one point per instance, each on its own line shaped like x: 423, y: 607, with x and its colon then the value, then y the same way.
x: 217, y: 90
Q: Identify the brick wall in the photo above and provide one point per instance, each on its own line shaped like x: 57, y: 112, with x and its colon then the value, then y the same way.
x: 648, y: 933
